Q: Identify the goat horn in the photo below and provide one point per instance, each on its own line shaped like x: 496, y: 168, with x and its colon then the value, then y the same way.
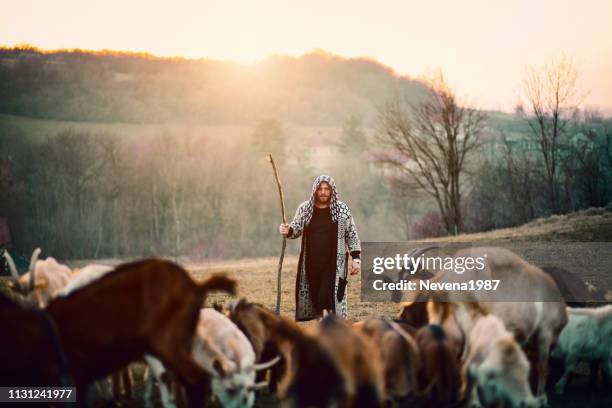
x: 415, y: 253
x: 258, y: 386
x: 33, y: 260
x: 265, y: 366
x: 12, y: 267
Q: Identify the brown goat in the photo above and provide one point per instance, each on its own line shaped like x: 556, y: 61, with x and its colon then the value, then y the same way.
x: 309, y: 375
x: 440, y: 372
x: 353, y: 351
x: 433, y: 307
x: 313, y: 377
x: 149, y: 306
x: 398, y: 354
x: 30, y: 354
x: 253, y: 320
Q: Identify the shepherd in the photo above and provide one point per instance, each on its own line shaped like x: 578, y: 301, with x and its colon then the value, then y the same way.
x: 328, y: 235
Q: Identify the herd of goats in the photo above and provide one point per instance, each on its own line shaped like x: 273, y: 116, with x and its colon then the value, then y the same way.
x: 79, y: 328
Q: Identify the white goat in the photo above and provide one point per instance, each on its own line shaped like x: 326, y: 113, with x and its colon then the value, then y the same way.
x: 225, y: 352
x: 587, y: 336
x: 498, y: 366
x: 534, y: 322
x: 83, y: 277
x: 41, y: 282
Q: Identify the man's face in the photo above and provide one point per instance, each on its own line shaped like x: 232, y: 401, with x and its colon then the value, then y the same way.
x: 323, y: 194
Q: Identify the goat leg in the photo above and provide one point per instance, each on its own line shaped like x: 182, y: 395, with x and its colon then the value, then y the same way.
x: 126, y: 376
x: 570, y: 366
x: 606, y: 365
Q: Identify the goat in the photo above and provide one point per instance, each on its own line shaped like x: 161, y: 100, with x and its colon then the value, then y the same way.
x: 30, y: 353
x: 587, y: 336
x: 398, y: 354
x: 536, y: 323
x: 121, y: 381
x: 309, y: 374
x: 224, y: 352
x: 433, y: 307
x: 313, y: 376
x: 498, y: 366
x: 148, y: 306
x: 82, y: 277
x: 43, y: 279
x: 440, y: 379
x: 47, y: 279
x: 353, y: 351
x: 252, y: 320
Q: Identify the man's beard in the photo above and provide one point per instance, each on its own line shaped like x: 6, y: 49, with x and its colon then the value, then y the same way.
x: 323, y: 200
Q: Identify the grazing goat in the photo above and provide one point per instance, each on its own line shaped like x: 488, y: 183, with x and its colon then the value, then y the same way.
x: 439, y: 376
x: 587, y: 336
x: 310, y: 375
x: 313, y: 377
x: 252, y: 320
x: 433, y: 307
x: 398, y: 353
x: 535, y: 323
x: 149, y: 306
x: 363, y: 374
x: 224, y: 352
x: 498, y: 366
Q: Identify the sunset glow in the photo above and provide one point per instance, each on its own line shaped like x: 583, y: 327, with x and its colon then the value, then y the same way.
x: 484, y: 46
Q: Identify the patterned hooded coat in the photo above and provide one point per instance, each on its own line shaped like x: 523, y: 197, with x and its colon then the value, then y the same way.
x: 347, y: 241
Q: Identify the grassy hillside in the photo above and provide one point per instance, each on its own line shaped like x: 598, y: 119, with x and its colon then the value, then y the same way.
x: 590, y: 225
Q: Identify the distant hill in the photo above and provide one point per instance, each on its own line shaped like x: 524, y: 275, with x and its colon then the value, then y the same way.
x: 590, y: 225
x: 317, y: 89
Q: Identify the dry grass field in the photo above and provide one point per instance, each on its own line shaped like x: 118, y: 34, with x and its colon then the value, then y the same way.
x: 257, y: 283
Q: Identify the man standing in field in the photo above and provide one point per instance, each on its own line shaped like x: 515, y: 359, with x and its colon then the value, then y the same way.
x: 328, y: 235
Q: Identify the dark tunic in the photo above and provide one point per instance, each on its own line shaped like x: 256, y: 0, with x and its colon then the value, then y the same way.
x: 321, y: 241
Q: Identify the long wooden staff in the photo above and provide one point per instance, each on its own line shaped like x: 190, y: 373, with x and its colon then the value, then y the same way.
x: 282, y: 255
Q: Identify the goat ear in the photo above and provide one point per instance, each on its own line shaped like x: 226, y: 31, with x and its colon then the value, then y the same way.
x: 41, y: 284
x: 237, y: 304
x: 10, y: 284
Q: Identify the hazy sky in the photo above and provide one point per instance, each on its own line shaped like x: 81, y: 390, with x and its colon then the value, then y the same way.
x: 483, y: 45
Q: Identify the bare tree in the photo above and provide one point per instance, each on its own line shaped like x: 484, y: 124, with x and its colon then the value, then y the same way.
x: 550, y: 95
x: 429, y: 144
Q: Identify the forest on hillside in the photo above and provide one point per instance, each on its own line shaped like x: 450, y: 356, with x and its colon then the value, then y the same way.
x: 122, y: 164
x: 314, y: 89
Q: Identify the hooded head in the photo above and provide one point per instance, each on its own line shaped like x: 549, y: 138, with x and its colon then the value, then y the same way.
x: 333, y: 198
